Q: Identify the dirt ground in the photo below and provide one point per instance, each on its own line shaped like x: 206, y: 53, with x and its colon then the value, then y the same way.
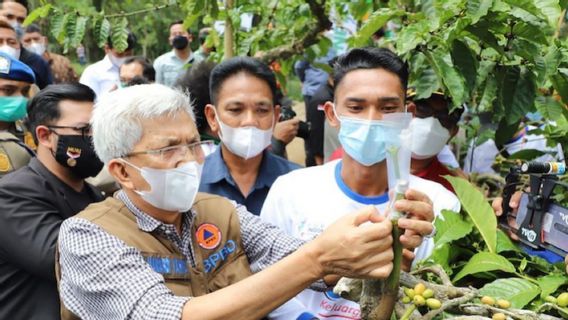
x: 295, y: 149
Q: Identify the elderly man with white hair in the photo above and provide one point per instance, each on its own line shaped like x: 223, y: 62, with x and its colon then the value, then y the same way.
x: 160, y: 250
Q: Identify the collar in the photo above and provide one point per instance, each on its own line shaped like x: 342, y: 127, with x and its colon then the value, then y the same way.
x: 188, y: 60
x: 145, y: 222
x: 53, y: 180
x: 107, y: 64
x: 217, y: 170
x: 374, y: 200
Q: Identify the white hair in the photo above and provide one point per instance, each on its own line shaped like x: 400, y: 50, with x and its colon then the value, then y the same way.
x: 117, y: 117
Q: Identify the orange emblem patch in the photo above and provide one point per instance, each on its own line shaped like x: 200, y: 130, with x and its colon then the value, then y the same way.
x: 208, y: 236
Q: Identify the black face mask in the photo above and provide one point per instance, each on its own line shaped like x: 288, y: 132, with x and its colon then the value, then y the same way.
x: 180, y: 42
x: 78, y: 154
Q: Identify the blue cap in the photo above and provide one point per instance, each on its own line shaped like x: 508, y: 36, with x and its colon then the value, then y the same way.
x: 13, y: 69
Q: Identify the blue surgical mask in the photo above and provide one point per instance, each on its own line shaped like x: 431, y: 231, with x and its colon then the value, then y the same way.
x: 12, y: 108
x: 366, y: 141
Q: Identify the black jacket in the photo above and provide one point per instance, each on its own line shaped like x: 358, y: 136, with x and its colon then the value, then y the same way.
x: 33, y: 204
x: 39, y: 66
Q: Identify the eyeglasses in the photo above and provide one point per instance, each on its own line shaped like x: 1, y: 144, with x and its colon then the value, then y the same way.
x: 448, y: 120
x: 86, y: 131
x: 197, y: 151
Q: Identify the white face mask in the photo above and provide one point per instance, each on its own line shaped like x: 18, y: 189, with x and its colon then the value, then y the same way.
x: 37, y: 48
x: 245, y: 142
x: 428, y: 137
x: 171, y: 189
x: 12, y: 52
x: 116, y: 61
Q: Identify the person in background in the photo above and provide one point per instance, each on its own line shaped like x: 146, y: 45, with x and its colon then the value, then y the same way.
x: 14, y: 13
x: 81, y: 55
x: 203, y: 52
x: 61, y: 68
x: 195, y: 81
x: 103, y: 75
x: 170, y: 65
x: 370, y: 84
x: 312, y: 78
x: 243, y: 112
x: 38, y: 197
x: 315, y: 107
x: 136, y: 70
x: 15, y: 81
x: 433, y: 126
x: 174, y: 253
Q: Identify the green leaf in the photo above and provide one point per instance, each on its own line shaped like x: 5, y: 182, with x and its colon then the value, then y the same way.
x: 376, y: 21
x: 550, y: 283
x: 488, y: 96
x: 527, y: 5
x: 526, y: 154
x: 483, y: 262
x: 411, y: 36
x: 441, y: 255
x: 426, y: 83
x: 57, y: 25
x: 485, y: 36
x: 560, y: 83
x: 477, y: 9
x: 505, y: 132
x: 504, y: 243
x: 450, y: 226
x: 529, y: 32
x: 518, y: 92
x: 102, y: 31
x: 466, y: 62
x: 452, y: 80
x: 549, y: 107
x: 518, y: 291
x: 478, y: 209
x: 70, y: 28
x: 119, y: 34
x: 79, y: 32
x: 551, y: 10
x: 42, y: 12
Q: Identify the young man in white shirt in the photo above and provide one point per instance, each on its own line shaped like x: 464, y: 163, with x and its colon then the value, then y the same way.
x: 370, y: 83
x: 103, y: 75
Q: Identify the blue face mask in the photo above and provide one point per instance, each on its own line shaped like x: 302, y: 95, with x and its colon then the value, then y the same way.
x: 366, y: 141
x: 12, y: 108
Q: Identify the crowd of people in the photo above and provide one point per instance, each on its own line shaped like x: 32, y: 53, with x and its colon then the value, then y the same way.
x: 162, y: 190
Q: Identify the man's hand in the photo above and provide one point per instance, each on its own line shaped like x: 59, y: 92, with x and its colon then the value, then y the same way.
x: 352, y: 248
x: 286, y: 131
x: 417, y: 223
x: 514, y: 204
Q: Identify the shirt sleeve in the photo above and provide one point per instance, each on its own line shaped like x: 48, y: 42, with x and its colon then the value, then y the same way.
x: 265, y: 244
x: 159, y: 71
x: 103, y: 278
x: 29, y: 226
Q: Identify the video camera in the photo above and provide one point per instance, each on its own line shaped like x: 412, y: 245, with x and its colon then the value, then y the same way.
x: 542, y: 223
x: 287, y: 113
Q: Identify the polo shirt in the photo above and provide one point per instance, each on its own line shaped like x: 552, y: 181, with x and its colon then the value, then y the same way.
x: 217, y: 179
x: 101, y: 76
x: 169, y: 67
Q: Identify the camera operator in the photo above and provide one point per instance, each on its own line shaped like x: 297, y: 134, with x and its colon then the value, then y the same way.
x: 286, y: 129
x: 514, y: 205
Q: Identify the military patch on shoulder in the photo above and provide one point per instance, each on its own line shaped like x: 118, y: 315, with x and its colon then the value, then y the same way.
x: 29, y: 140
x: 4, y: 65
x: 5, y: 164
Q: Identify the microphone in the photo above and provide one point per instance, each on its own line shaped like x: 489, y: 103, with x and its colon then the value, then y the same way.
x: 543, y: 168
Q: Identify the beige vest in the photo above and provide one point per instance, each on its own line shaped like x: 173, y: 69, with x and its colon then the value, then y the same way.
x: 216, y: 239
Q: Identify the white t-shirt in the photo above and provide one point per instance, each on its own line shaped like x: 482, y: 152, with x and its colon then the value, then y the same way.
x: 304, y: 202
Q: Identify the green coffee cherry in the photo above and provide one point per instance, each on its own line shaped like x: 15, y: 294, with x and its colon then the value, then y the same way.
x: 433, y: 303
x: 499, y: 316
x: 419, y: 288
x: 562, y: 300
x: 488, y: 300
x: 419, y: 300
x: 409, y: 293
x: 428, y: 293
x: 550, y: 299
x: 405, y: 299
x: 503, y: 304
